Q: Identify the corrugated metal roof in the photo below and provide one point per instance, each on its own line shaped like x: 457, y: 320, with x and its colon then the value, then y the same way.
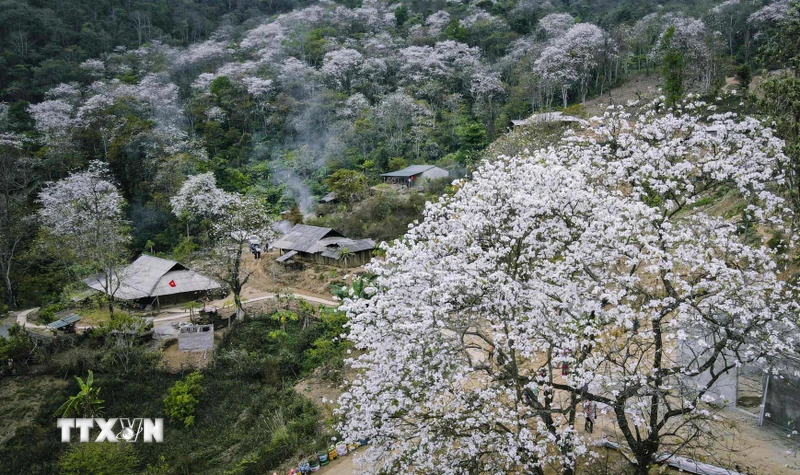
x: 314, y: 239
x: 144, y: 276
x: 303, y: 238
x: 68, y: 320
x: 330, y: 247
x: 329, y: 197
x: 409, y: 171
x: 185, y: 281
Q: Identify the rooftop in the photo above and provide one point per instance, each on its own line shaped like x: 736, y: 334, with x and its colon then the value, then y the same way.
x: 315, y: 239
x: 150, y: 276
x: 304, y: 238
x: 64, y: 322
x: 409, y: 171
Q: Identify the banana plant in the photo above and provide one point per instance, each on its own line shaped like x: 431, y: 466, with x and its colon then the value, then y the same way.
x: 86, y: 403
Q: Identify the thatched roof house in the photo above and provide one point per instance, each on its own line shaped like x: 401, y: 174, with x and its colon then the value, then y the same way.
x: 322, y: 246
x: 152, y: 280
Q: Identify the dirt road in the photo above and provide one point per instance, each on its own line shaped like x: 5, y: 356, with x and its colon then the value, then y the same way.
x: 340, y: 466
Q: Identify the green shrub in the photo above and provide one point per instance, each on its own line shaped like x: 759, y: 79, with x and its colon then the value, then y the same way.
x: 48, y: 313
x: 183, y: 251
x: 122, y: 322
x: 18, y: 347
x: 99, y: 459
x: 575, y: 110
x: 183, y: 398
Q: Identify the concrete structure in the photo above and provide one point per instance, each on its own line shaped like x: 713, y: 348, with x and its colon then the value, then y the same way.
x: 415, y: 175
x: 153, y: 281
x: 196, y: 338
x: 324, y: 246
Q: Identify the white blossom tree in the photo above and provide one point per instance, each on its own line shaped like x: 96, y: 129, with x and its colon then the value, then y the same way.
x: 340, y: 67
x: 83, y: 214
x: 199, y: 197
x: 694, y: 40
x: 570, y: 61
x: 555, y: 25
x: 235, y: 221
x: 487, y: 90
x: 583, y: 272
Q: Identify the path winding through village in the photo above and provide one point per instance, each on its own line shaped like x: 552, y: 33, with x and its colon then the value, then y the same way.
x: 177, y: 313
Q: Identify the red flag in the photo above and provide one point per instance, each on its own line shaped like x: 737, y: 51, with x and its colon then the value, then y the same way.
x: 172, y: 283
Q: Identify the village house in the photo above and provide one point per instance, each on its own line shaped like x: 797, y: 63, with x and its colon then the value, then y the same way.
x: 152, y: 282
x: 415, y: 175
x: 314, y: 244
x: 329, y: 198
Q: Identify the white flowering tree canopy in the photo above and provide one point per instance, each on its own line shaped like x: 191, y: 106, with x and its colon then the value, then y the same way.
x: 579, y: 272
x: 235, y: 221
x: 82, y: 204
x: 84, y: 214
x: 199, y: 196
x: 234, y: 218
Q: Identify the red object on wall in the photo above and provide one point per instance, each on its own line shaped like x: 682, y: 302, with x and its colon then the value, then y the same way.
x: 172, y: 283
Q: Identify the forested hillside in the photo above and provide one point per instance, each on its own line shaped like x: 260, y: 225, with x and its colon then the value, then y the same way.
x: 284, y: 101
x: 606, y: 234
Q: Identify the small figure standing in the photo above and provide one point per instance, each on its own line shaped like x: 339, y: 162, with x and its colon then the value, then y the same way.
x: 590, y: 411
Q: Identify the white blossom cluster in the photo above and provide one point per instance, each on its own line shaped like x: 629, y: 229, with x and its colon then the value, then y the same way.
x: 83, y: 204
x: 585, y: 271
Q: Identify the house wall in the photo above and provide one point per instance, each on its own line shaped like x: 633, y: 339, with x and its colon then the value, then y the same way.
x: 196, y: 337
x: 782, y: 401
x: 176, y: 299
x: 358, y: 259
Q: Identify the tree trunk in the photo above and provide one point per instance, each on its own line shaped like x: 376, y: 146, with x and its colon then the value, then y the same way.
x: 10, y: 300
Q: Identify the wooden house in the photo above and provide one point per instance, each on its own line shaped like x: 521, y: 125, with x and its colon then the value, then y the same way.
x: 415, y: 175
x: 317, y: 245
x: 153, y: 281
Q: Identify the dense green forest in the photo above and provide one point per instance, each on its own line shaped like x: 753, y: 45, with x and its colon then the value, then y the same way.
x: 44, y: 42
x: 275, y: 97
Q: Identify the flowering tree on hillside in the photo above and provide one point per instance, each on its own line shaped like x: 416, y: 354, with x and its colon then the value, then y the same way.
x: 556, y: 24
x: 84, y: 215
x: 235, y: 221
x: 584, y: 272
x: 571, y: 60
x: 199, y: 197
x: 341, y: 66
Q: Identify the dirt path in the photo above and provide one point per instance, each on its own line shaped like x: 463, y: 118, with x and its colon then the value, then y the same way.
x: 341, y: 466
x: 177, y: 313
x: 22, y: 320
